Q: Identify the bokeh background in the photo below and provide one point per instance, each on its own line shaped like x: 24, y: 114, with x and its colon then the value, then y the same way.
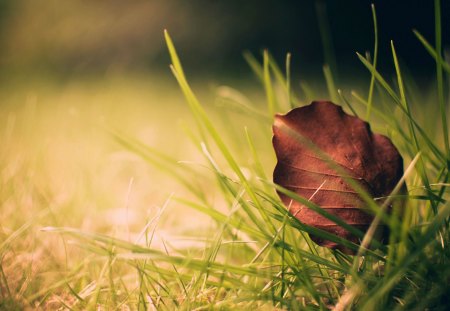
x: 71, y: 37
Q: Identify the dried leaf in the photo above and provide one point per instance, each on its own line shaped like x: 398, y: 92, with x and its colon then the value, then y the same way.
x: 319, y: 149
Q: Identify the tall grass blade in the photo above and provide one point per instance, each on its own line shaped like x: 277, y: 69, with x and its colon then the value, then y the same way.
x: 431, y: 50
x: 374, y: 64
x: 440, y: 79
x: 256, y: 67
x: 332, y: 91
x: 272, y: 106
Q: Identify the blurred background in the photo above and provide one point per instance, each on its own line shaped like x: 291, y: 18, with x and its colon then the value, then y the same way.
x: 72, y: 37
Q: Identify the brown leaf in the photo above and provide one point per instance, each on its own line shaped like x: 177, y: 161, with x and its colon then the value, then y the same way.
x: 318, y: 148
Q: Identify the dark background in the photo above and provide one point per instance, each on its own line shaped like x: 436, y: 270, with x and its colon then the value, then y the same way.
x: 82, y: 36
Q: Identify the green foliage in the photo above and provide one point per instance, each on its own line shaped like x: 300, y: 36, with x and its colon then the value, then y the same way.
x: 256, y: 254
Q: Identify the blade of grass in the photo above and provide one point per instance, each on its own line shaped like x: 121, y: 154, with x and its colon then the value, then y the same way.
x: 375, y: 58
x: 397, y: 100
x: 259, y: 169
x: 371, y: 231
x: 203, y: 119
x: 238, y: 100
x: 439, y: 77
x: 291, y: 99
x: 284, y: 80
x: 254, y: 65
x: 345, y: 100
x: 272, y: 106
x: 330, y: 83
x: 431, y: 50
x: 413, y: 135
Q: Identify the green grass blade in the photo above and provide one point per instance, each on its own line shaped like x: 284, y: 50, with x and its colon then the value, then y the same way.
x: 203, y: 119
x: 284, y: 80
x: 330, y: 83
x: 397, y: 100
x: 345, y: 100
x: 291, y: 99
x: 254, y: 65
x: 431, y: 50
x: 259, y: 169
x: 374, y: 64
x: 271, y: 101
x: 413, y: 135
x: 173, y: 54
x: 440, y: 79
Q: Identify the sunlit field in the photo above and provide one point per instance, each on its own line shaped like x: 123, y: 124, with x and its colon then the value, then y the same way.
x: 62, y: 167
x: 155, y: 191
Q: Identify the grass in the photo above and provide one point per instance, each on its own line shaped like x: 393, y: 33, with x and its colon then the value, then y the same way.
x: 216, y: 235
